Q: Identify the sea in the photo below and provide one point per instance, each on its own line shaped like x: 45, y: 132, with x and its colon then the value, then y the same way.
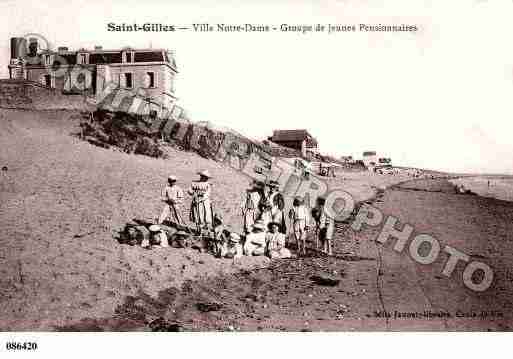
x: 495, y: 187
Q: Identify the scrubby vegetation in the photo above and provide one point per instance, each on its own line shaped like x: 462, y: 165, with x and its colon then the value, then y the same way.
x: 129, y: 133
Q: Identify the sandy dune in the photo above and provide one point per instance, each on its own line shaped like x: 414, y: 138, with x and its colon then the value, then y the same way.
x: 373, y: 277
x: 62, y: 202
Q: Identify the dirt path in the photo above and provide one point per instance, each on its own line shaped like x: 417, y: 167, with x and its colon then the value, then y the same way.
x: 373, y: 278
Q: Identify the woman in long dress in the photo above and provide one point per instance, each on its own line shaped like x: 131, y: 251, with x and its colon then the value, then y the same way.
x: 201, y: 206
x: 267, y: 202
x: 277, y: 214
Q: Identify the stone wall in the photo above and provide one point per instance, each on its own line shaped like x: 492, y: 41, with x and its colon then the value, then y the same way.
x: 32, y: 96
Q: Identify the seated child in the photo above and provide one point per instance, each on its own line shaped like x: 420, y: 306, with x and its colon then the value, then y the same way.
x: 255, y: 241
x: 232, y: 248
x: 276, y: 242
x: 157, y: 236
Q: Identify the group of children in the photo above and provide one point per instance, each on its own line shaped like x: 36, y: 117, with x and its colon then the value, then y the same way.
x: 263, y: 218
x: 262, y: 240
x: 263, y: 202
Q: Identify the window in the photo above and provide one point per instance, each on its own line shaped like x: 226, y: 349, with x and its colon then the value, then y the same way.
x: 82, y: 58
x: 128, y: 80
x: 47, y: 80
x: 48, y: 60
x: 129, y: 57
x: 151, y: 79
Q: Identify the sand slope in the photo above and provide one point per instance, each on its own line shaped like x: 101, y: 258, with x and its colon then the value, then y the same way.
x: 373, y: 277
x: 62, y: 201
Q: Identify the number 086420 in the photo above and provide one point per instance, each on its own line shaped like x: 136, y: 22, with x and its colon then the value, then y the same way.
x: 21, y: 346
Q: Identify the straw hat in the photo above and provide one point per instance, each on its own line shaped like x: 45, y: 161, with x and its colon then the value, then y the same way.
x: 154, y: 228
x: 259, y: 225
x: 172, y: 178
x: 205, y: 173
x: 270, y: 224
x: 234, y: 237
x: 297, y: 201
x: 258, y: 184
x: 274, y: 184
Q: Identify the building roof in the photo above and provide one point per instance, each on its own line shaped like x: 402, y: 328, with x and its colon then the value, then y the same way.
x: 105, y: 58
x: 293, y: 135
x: 148, y: 56
x: 369, y: 153
x: 98, y: 57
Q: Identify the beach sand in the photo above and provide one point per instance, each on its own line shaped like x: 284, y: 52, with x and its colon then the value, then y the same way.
x: 62, y: 203
x: 496, y: 187
x: 374, y: 278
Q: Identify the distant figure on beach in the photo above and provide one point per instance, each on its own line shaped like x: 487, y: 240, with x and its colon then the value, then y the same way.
x: 173, y: 196
x: 459, y: 189
x: 201, y: 207
x: 6, y: 182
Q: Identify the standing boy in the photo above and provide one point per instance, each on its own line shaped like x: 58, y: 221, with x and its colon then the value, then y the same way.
x: 326, y: 226
x: 172, y: 196
x: 201, y: 208
x: 300, y: 219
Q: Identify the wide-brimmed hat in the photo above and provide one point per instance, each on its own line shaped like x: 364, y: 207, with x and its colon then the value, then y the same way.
x: 257, y: 183
x: 234, y: 237
x: 274, y: 184
x: 298, y: 200
x: 171, y: 178
x: 274, y: 223
x: 259, y: 225
x: 154, y: 228
x: 205, y: 173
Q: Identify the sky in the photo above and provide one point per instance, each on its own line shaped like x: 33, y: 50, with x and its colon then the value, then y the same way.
x: 437, y: 98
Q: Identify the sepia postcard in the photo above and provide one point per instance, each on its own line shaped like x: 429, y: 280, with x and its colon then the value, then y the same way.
x: 286, y: 166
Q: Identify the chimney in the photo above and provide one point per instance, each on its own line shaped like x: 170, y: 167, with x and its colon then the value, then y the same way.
x: 33, y: 46
x: 18, y: 47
